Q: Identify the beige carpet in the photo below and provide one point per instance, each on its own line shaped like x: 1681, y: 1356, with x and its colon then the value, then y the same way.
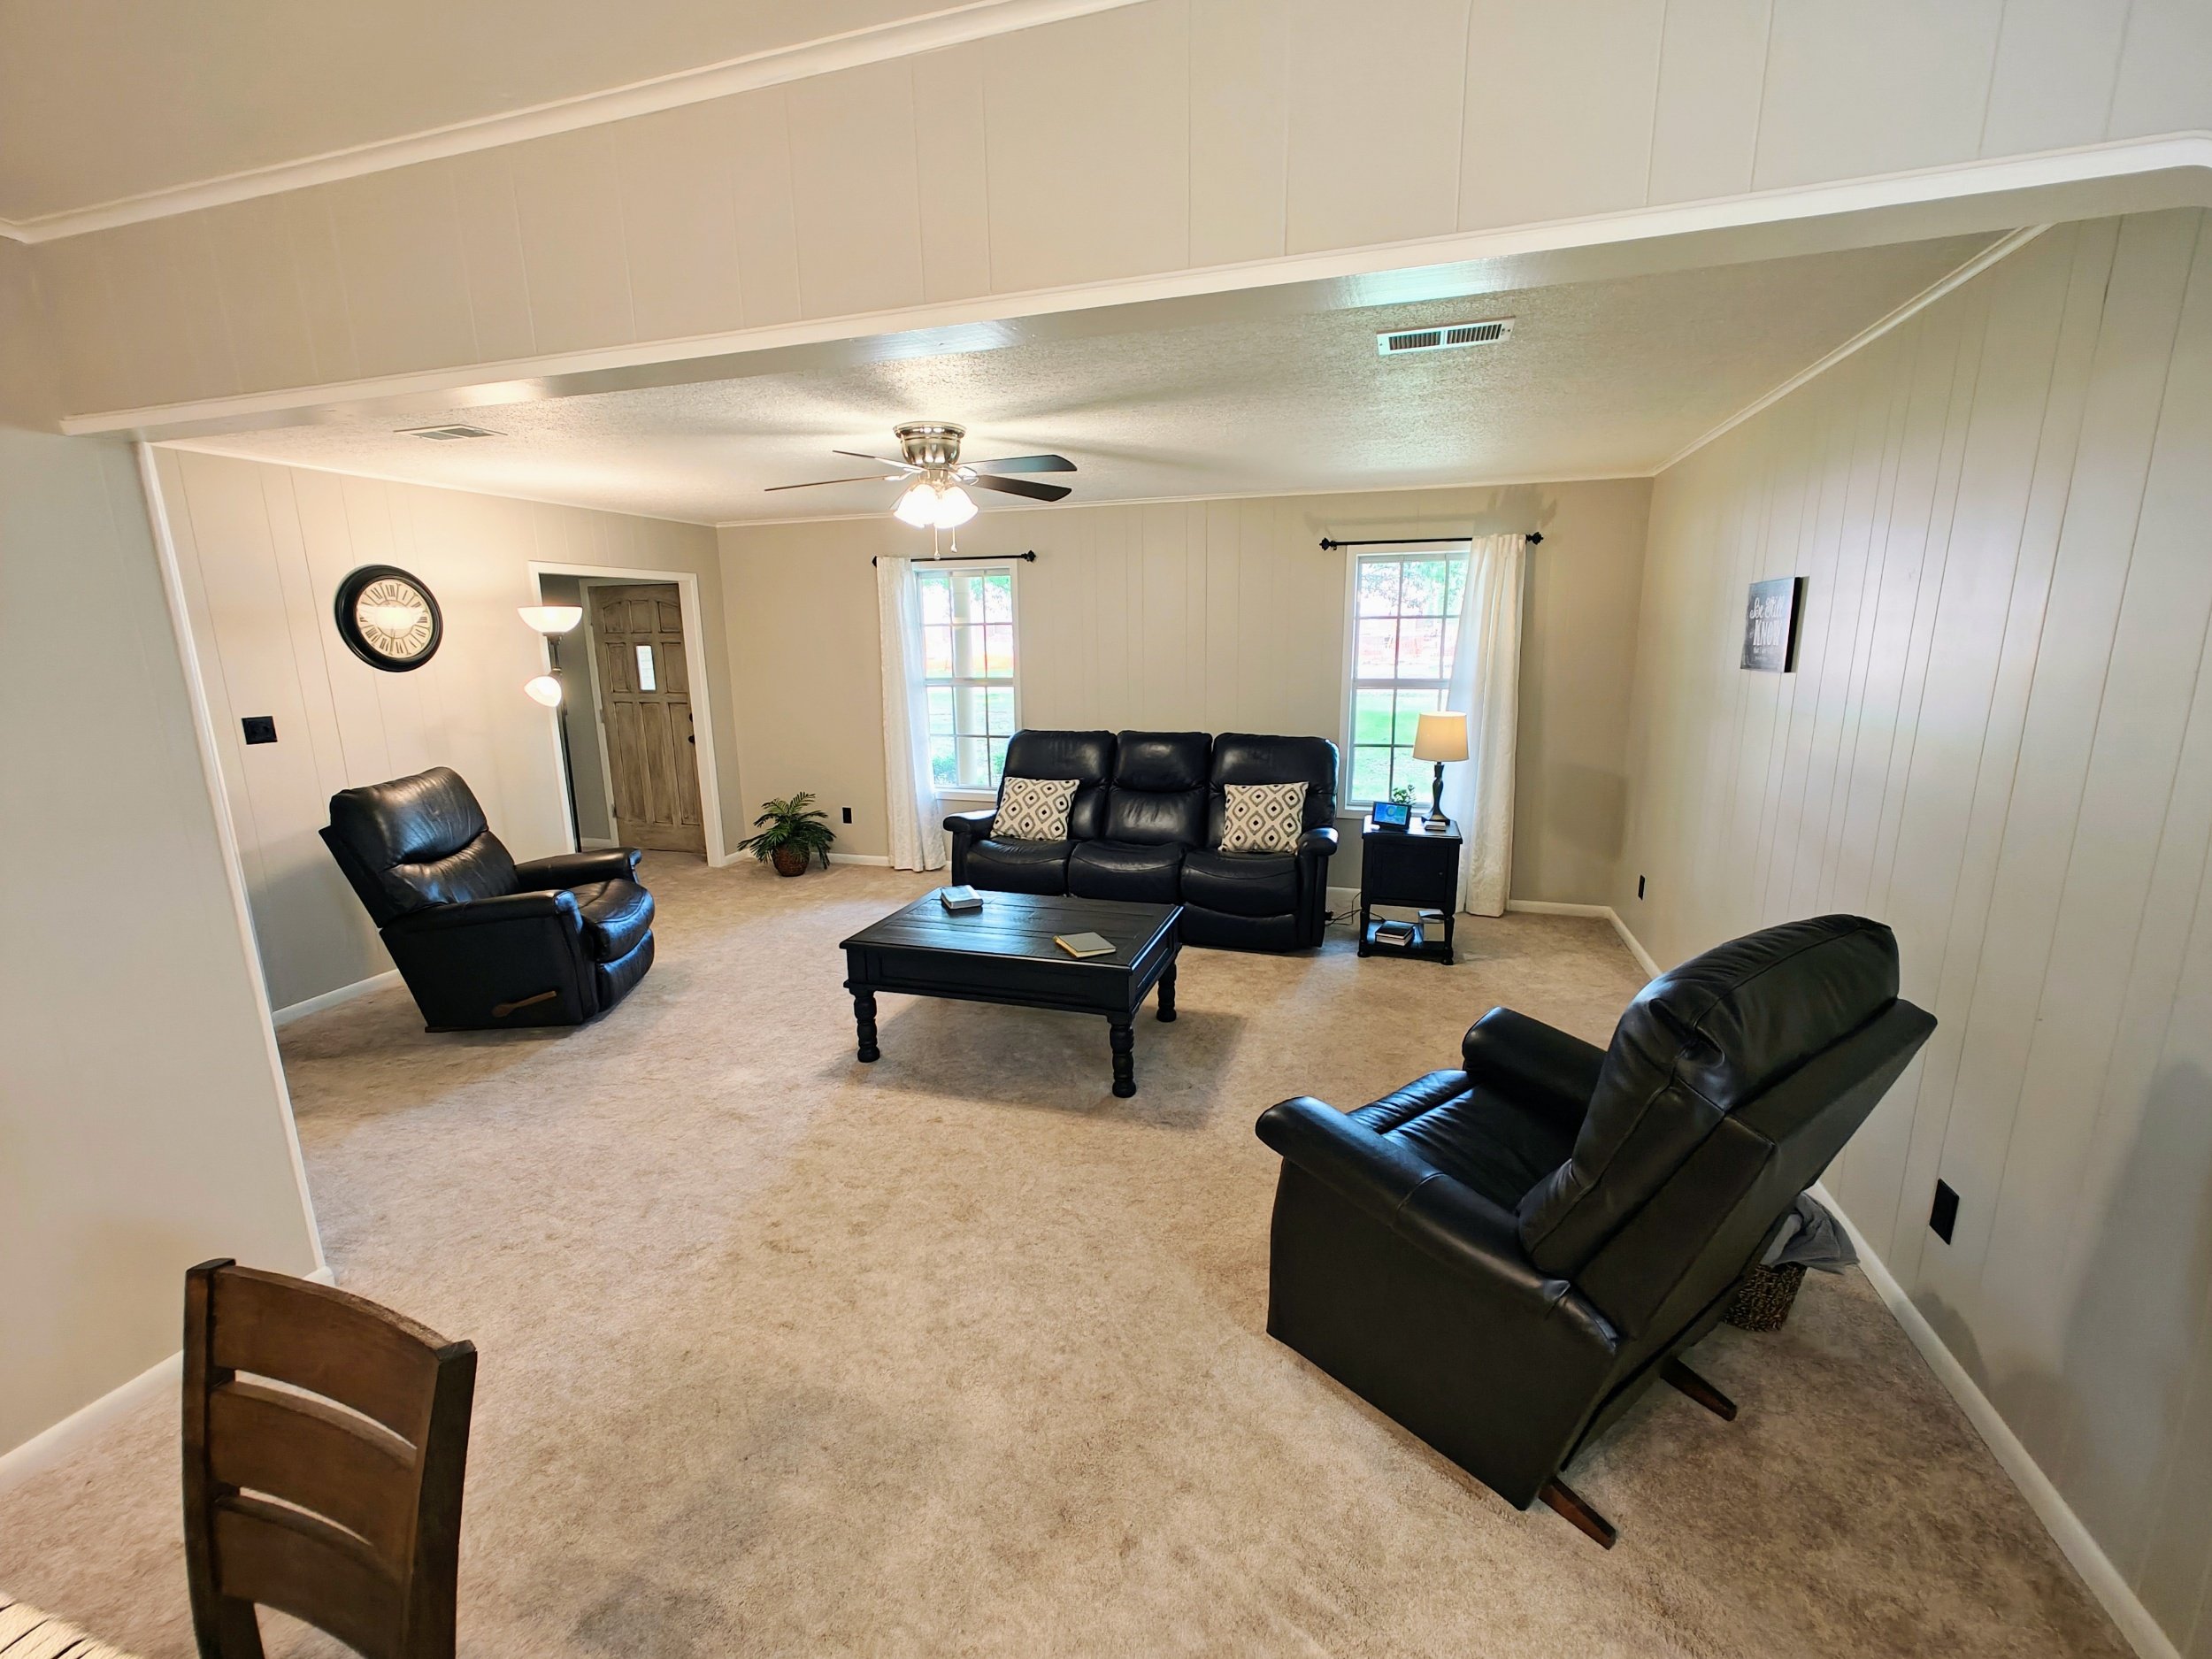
x: 958, y: 1354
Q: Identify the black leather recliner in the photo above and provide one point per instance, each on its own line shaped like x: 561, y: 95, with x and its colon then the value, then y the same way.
x: 484, y: 942
x: 1503, y: 1255
x: 1145, y: 827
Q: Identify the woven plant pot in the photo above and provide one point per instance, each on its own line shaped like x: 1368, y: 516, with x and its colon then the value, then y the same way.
x: 789, y: 861
x: 1764, y: 1298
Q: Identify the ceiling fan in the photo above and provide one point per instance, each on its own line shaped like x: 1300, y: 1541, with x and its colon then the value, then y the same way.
x: 938, y: 481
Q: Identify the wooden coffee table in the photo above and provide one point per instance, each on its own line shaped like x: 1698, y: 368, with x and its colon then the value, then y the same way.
x: 1004, y: 952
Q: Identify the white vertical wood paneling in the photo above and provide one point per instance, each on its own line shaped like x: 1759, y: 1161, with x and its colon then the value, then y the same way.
x: 568, y: 204
x: 398, y: 247
x: 1996, y: 741
x: 675, y: 188
x: 1558, y: 147
x: 1705, y: 129
x: 954, y: 164
x: 2051, y: 86
x: 855, y: 181
x: 1239, y: 122
x: 1089, y: 159
x: 491, y: 253
x: 262, y: 550
x: 1375, y: 121
x: 1873, y: 87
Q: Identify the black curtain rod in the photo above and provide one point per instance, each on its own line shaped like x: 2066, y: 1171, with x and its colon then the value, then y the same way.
x: 973, y: 559
x: 1330, y: 545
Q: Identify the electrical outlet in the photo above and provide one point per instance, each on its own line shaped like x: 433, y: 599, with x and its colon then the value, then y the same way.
x: 260, y: 728
x: 1943, y: 1215
x: 848, y: 815
x: 1640, y: 887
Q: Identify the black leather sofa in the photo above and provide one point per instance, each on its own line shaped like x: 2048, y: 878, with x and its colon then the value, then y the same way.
x: 1502, y: 1257
x: 484, y: 942
x: 1145, y: 827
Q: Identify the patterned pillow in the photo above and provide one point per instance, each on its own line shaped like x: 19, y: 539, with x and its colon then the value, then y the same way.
x: 1033, y: 810
x: 1262, y: 818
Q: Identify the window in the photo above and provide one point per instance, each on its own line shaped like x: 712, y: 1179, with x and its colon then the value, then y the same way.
x: 968, y: 668
x: 1406, y: 624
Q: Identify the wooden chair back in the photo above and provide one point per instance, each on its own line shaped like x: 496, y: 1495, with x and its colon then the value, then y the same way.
x: 325, y: 1439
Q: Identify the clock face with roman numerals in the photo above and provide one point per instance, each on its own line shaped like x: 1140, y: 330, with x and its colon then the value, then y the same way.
x: 388, y: 618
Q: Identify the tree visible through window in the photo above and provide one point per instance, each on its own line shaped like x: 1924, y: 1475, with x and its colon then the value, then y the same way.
x: 968, y: 667
x: 1407, y: 611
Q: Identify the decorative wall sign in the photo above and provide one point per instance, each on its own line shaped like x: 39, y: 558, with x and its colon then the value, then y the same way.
x: 388, y: 618
x: 1770, y: 625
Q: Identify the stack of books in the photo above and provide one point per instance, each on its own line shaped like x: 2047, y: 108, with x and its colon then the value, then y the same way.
x: 1399, y: 935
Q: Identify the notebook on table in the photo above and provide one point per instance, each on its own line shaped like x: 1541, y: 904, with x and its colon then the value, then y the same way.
x: 1084, y: 944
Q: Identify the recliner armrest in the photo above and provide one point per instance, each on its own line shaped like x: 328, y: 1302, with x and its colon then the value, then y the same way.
x: 1319, y: 843
x: 977, y: 825
x: 1443, y: 1217
x: 1536, y: 1063
x: 575, y: 870
x: 559, y: 907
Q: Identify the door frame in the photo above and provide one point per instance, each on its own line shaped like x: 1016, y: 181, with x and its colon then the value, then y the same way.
x: 686, y: 584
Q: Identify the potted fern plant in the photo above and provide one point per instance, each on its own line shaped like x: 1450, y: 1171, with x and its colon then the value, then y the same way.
x: 791, y: 833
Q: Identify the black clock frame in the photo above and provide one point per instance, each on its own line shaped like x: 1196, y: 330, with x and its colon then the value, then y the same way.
x: 349, y: 591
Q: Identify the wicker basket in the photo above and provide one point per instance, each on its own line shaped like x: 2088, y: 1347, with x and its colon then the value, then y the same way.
x: 1764, y: 1298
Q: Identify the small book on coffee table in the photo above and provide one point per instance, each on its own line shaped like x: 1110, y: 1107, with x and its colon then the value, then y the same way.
x: 1084, y: 944
x: 960, y: 900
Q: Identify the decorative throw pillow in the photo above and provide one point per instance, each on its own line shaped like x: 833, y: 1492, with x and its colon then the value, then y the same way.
x: 1262, y: 818
x: 1033, y: 810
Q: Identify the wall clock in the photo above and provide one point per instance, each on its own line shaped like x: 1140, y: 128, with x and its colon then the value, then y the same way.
x: 388, y: 618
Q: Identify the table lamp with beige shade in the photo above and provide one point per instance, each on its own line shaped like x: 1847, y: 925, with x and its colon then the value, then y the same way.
x: 1440, y: 738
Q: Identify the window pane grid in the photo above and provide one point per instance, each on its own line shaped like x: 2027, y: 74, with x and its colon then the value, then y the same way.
x: 968, y: 674
x: 1406, y: 627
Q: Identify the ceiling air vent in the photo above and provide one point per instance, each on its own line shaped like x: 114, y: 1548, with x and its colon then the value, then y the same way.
x: 446, y: 435
x: 1446, y: 338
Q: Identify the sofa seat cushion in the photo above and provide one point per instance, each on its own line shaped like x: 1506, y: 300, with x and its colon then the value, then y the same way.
x: 1485, y: 1140
x: 1240, y: 884
x: 1135, y: 872
x: 616, y: 914
x: 1019, y: 866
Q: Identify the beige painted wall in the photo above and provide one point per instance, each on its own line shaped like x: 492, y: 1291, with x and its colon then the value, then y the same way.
x: 1168, y: 135
x: 2000, y: 741
x: 263, y: 548
x: 143, y: 1125
x: 1212, y: 616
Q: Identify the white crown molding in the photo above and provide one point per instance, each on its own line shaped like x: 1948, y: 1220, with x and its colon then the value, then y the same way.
x: 1512, y: 481
x: 2003, y: 248
x: 2188, y: 154
x: 976, y: 20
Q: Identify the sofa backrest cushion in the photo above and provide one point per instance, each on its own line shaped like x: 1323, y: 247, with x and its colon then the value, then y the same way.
x: 1244, y: 758
x: 1086, y: 757
x: 1701, y: 1044
x: 1159, y: 793
x: 415, y: 842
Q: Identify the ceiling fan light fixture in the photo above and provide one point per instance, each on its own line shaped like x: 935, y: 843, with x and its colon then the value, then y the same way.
x: 931, y: 506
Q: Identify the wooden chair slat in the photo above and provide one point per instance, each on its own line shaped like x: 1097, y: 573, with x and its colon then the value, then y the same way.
x: 295, y: 1447
x: 323, y: 1339
x: 274, y: 1557
x: 292, y: 1502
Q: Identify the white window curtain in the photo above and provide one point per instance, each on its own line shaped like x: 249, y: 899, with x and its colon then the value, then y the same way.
x: 918, y: 817
x: 1486, y: 684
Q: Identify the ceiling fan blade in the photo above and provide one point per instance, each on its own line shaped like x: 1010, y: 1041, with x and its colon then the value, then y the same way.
x: 1022, y: 486
x: 817, y: 483
x: 1025, y: 463
x: 861, y: 455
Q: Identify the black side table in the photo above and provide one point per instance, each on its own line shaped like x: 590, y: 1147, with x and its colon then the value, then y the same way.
x: 1409, y: 867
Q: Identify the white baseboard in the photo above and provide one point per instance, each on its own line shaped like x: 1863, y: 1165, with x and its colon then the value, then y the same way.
x: 1547, y: 907
x: 2073, y: 1539
x: 50, y: 1446
x: 284, y: 1017
x: 880, y: 861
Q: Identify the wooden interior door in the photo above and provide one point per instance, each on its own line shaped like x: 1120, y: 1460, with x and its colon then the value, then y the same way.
x: 645, y: 692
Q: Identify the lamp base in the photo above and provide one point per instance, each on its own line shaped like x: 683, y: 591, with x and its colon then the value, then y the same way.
x: 1436, y: 798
